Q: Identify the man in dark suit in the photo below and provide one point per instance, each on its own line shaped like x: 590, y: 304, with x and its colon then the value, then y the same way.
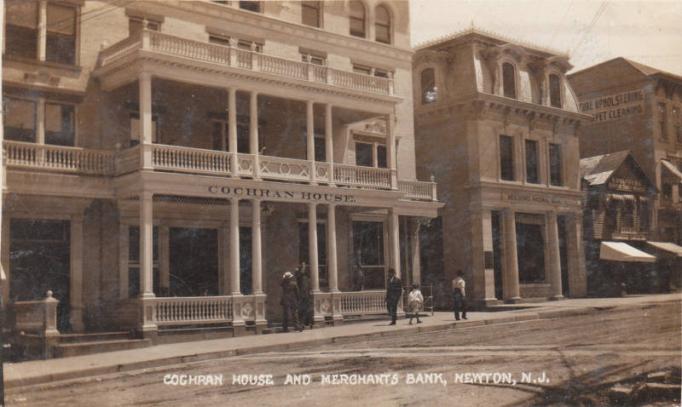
x: 394, y: 290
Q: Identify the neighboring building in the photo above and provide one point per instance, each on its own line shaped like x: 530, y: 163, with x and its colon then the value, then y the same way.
x: 496, y: 123
x: 638, y: 108
x: 618, y: 210
x: 168, y: 161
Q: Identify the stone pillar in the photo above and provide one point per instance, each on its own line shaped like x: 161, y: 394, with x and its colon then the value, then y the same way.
x: 146, y: 245
x: 253, y: 133
x: 394, y: 240
x: 146, y: 137
x: 415, y: 252
x: 42, y: 30
x: 235, y: 285
x: 312, y: 248
x: 310, y: 137
x: 577, y: 277
x: 123, y: 248
x: 331, y: 249
x: 76, y: 274
x: 554, y: 256
x: 256, y: 252
x: 329, y: 141
x: 510, y: 278
x: 391, y: 150
x: 164, y: 260
x: 483, y: 275
x: 232, y: 130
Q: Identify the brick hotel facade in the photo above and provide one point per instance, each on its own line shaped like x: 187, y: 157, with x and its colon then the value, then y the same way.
x: 166, y: 162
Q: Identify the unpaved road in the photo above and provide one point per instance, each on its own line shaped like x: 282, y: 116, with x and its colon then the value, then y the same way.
x: 579, y: 356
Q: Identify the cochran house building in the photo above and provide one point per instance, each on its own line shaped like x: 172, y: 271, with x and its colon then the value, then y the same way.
x: 496, y: 124
x: 168, y: 161
x: 638, y: 108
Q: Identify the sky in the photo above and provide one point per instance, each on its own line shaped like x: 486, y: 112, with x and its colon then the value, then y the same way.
x: 590, y: 31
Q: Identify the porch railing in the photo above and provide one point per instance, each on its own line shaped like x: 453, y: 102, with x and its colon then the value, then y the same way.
x: 289, y: 169
x: 254, y: 61
x: 352, y: 175
x: 419, y: 190
x: 58, y: 158
x: 193, y: 160
x: 192, y: 310
x: 363, y: 302
x: 37, y: 317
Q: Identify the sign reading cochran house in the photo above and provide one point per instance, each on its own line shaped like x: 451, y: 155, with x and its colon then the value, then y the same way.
x: 265, y: 193
x: 614, y: 107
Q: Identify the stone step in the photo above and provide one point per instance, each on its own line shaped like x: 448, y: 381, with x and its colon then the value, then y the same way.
x: 87, y: 348
x: 93, y: 337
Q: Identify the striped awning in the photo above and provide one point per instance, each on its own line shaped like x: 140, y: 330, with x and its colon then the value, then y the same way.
x: 619, y: 251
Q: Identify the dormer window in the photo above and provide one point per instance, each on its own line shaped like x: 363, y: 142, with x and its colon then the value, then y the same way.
x: 555, y: 90
x: 428, y: 86
x: 509, y: 80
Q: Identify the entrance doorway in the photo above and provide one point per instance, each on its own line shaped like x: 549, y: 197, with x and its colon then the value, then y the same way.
x: 563, y: 255
x: 530, y: 252
x: 193, y: 262
x: 40, y: 261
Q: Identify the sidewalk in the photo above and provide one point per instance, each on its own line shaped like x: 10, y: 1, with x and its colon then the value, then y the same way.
x: 45, y: 371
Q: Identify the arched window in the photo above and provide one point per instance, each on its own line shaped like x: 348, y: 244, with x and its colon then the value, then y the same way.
x: 429, y: 90
x: 311, y: 13
x: 358, y: 21
x: 509, y: 80
x: 554, y: 90
x: 382, y: 24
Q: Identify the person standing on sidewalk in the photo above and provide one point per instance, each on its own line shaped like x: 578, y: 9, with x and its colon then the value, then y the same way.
x: 459, y: 295
x: 394, y: 290
x: 415, y: 301
x: 290, y: 302
x: 305, y: 308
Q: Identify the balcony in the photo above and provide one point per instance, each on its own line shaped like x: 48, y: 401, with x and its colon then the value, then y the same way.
x: 153, y: 42
x: 180, y: 159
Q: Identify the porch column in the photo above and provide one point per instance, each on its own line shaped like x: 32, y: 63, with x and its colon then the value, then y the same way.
x: 232, y: 130
x: 394, y: 240
x: 4, y: 256
x: 40, y: 121
x: 510, y: 278
x: 415, y: 250
x: 312, y: 247
x: 123, y: 247
x: 331, y: 249
x: 253, y: 132
x: 329, y: 141
x: 164, y: 260
x: 235, y: 285
x: 256, y: 254
x: 146, y: 136
x: 577, y: 277
x: 146, y: 245
x: 42, y: 30
x: 391, y: 150
x: 225, y: 274
x: 76, y: 274
x: 310, y: 132
x: 554, y: 256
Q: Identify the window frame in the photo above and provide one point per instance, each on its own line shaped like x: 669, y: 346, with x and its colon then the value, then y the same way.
x: 560, y: 166
x: 663, y: 121
x: 552, y: 95
x: 363, y: 20
x: 388, y: 26
x: 536, y: 143
x: 434, y: 88
x: 514, y: 78
x: 318, y: 7
x: 6, y: 102
x: 503, y: 170
x: 74, y: 130
x: 246, y: 5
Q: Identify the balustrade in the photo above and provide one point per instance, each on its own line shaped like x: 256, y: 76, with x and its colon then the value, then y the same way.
x: 192, y: 310
x: 363, y: 302
x: 418, y: 190
x: 193, y: 160
x: 59, y: 158
x: 352, y: 175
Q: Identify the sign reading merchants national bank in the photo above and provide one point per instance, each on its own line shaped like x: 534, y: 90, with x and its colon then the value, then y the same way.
x: 264, y: 193
x: 614, y: 107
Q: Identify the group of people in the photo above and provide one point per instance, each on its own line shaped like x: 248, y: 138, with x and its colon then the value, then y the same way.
x: 297, y: 298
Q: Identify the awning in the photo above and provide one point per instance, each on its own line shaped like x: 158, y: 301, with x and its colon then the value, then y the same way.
x: 3, y: 277
x: 668, y: 247
x: 673, y: 170
x: 619, y: 251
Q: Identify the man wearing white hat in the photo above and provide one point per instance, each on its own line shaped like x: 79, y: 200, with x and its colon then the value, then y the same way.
x: 290, y: 300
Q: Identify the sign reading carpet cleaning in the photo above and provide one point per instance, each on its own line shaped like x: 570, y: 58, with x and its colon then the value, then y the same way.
x: 265, y: 193
x: 614, y: 107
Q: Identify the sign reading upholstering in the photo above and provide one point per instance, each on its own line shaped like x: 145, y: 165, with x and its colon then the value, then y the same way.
x: 529, y: 197
x: 264, y: 193
x: 614, y: 107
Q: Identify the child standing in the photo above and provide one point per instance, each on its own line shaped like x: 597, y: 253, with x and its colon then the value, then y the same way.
x: 415, y: 300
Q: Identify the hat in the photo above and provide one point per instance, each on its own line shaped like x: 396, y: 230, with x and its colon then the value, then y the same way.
x: 288, y: 275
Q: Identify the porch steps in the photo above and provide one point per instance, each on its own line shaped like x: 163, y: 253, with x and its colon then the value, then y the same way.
x: 98, y: 342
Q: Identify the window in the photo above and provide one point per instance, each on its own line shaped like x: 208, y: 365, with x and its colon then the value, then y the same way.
x: 21, y: 29
x: 382, y: 25
x: 254, y: 6
x: 219, y: 135
x: 219, y: 40
x: 509, y: 80
x: 367, y: 70
x: 363, y: 155
x: 382, y: 156
x: 248, y: 45
x: 20, y: 120
x: 311, y: 13
x: 643, y: 215
x: 555, y: 165
x: 506, y: 158
x: 663, y: 121
x: 59, y: 124
x: 61, y: 34
x: 428, y: 81
x: 532, y: 175
x: 320, y: 147
x: 137, y: 24
x: 667, y: 191
x: 368, y: 246
x: 362, y: 69
x: 554, y: 90
x: 357, y: 19
x: 313, y: 58
x: 627, y: 219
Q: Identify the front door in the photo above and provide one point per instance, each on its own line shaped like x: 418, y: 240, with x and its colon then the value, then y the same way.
x: 193, y: 262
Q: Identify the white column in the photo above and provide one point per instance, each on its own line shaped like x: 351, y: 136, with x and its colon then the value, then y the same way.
x: 253, y: 132
x: 312, y: 247
x: 232, y: 130
x: 577, y: 277
x: 391, y: 150
x: 146, y: 245
x: 394, y: 240
x: 415, y: 250
x: 40, y: 121
x: 123, y: 250
x: 164, y: 259
x: 42, y: 30
x: 329, y: 141
x: 224, y: 253
x: 76, y: 274
x: 310, y: 130
x: 256, y: 252
x: 510, y: 278
x: 331, y: 249
x: 235, y: 285
x: 554, y: 255
x: 146, y: 138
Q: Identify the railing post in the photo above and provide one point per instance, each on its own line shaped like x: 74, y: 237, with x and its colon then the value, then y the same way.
x: 233, y: 52
x: 434, y: 188
x: 309, y: 68
x: 50, y: 315
x: 238, y: 324
x: 146, y: 39
x: 391, y: 86
x: 329, y: 72
x: 255, y: 61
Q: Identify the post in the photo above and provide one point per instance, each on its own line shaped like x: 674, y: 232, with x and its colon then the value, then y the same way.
x: 235, y: 285
x: 123, y: 245
x: 394, y: 240
x: 253, y: 133
x: 146, y: 245
x: 42, y: 30
x: 554, y: 256
x: 232, y: 130
x: 310, y: 132
x: 415, y: 251
x: 329, y: 141
x: 256, y: 253
x: 312, y: 248
x: 510, y: 278
x: 76, y: 274
x: 577, y: 278
x: 331, y: 249
x: 164, y: 260
x: 391, y: 150
x: 225, y: 274
x: 146, y: 136
x: 255, y: 62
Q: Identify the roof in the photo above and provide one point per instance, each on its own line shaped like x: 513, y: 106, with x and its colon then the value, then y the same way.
x: 645, y: 70
x: 598, y: 169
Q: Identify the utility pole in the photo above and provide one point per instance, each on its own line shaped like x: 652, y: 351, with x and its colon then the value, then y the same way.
x: 2, y: 343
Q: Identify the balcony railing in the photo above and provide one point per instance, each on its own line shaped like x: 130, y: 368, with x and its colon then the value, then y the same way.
x: 419, y: 190
x: 254, y: 61
x: 58, y: 158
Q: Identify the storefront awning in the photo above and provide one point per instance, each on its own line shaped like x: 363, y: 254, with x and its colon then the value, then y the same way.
x: 3, y: 277
x: 619, y: 251
x: 673, y: 170
x: 668, y: 247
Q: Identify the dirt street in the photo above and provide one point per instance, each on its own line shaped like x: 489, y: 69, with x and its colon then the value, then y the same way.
x: 556, y: 361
